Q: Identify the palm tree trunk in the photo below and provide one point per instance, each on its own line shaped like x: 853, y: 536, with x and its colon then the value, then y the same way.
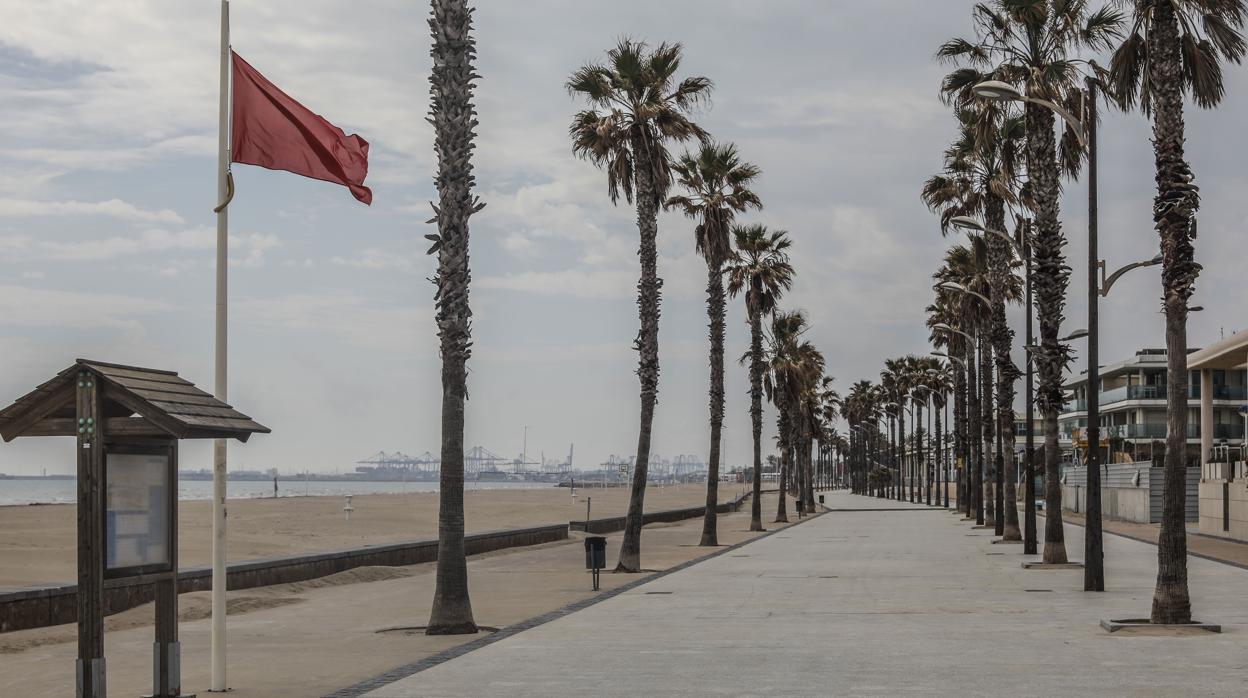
x: 986, y: 420
x: 959, y: 433
x: 1007, y: 372
x: 715, y: 310
x: 454, y: 119
x: 1049, y: 279
x: 756, y: 414
x: 1174, y: 212
x: 782, y: 514
x: 940, y: 452
x: 648, y: 292
x: 975, y: 467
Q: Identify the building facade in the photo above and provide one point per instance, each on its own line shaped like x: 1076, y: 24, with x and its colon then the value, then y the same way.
x: 1133, y: 410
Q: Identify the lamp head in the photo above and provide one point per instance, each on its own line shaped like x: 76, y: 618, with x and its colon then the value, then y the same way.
x: 967, y: 223
x: 997, y: 91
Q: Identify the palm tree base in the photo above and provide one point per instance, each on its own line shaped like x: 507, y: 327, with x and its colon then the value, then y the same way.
x: 782, y: 519
x: 465, y: 628
x: 623, y: 569
x: 1152, y: 628
x: 757, y: 527
x: 709, y: 542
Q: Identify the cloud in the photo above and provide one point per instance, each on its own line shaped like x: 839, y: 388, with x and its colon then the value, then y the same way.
x: 22, y: 306
x: 112, y: 208
x: 246, y: 250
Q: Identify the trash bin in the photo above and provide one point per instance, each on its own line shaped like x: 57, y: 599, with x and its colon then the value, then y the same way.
x: 595, y: 556
x: 595, y: 552
x: 821, y: 499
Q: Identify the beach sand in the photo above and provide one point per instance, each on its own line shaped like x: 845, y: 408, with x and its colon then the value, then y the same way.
x: 311, y: 638
x: 37, y: 542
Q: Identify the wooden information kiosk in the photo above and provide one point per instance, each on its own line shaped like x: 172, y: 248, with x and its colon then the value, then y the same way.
x: 127, y: 421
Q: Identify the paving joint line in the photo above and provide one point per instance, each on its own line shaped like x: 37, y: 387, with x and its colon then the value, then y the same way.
x: 413, y: 668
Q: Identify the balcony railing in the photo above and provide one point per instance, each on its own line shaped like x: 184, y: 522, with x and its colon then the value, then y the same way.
x: 1156, y: 392
x: 1159, y: 431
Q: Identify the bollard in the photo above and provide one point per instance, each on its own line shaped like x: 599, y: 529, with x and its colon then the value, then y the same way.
x: 348, y: 508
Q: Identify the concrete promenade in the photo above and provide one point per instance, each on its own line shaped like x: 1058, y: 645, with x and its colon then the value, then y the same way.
x: 870, y: 603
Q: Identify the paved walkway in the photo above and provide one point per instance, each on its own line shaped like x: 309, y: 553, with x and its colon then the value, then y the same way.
x: 909, y: 601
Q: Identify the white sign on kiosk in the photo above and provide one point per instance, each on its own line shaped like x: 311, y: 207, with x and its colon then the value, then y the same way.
x: 138, y: 491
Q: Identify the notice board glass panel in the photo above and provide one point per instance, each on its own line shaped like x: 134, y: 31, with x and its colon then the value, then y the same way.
x: 136, y: 508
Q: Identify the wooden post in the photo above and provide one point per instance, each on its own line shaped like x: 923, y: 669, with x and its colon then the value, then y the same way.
x: 166, y: 650
x: 90, y: 667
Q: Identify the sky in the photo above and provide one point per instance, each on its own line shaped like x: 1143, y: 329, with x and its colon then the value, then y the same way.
x: 107, y: 183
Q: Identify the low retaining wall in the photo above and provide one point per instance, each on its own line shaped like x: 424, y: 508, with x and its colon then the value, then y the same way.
x: 1224, y: 508
x: 1129, y: 491
x: 36, y: 607
x: 616, y: 523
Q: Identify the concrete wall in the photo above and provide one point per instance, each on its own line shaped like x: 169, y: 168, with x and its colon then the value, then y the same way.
x: 1129, y: 491
x: 1213, y: 493
x: 37, y: 607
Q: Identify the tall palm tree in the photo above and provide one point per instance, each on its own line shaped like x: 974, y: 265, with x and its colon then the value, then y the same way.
x: 1035, y: 43
x: 453, y: 116
x: 760, y: 267
x: 982, y: 177
x: 637, y: 107
x: 856, y: 410
x: 968, y: 265
x: 794, y: 369
x: 940, y: 313
x: 893, y: 388
x: 1175, y: 47
x: 941, y: 382
x: 717, y: 187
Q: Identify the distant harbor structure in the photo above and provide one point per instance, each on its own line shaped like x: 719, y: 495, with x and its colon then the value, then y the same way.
x: 484, y: 465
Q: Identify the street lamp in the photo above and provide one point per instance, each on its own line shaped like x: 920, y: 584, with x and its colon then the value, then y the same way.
x: 997, y: 91
x: 955, y: 286
x: 943, y: 355
x: 976, y: 226
x: 1023, y: 248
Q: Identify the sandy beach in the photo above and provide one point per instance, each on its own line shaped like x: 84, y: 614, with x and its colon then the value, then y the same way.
x: 314, y: 637
x: 37, y: 542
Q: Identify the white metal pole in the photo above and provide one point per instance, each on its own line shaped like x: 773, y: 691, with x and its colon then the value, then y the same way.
x: 218, y: 446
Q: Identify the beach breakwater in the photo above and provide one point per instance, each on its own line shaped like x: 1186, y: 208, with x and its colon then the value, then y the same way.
x: 42, y: 606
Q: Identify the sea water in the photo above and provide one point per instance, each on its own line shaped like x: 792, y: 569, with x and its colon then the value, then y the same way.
x: 41, y: 491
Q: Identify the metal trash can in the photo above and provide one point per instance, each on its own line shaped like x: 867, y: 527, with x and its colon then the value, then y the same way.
x: 595, y: 556
x: 821, y: 499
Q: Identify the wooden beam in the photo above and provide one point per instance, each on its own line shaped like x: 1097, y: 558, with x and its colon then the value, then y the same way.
x: 117, y: 426
x: 170, y: 425
x: 41, y: 407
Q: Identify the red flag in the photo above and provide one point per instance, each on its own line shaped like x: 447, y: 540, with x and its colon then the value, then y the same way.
x: 272, y: 130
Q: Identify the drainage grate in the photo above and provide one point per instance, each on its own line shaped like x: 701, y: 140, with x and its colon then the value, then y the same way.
x: 1037, y: 591
x: 739, y: 556
x: 658, y: 593
x: 994, y: 553
x: 830, y: 577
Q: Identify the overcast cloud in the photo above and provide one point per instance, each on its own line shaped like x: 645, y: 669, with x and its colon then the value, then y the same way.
x: 107, y: 167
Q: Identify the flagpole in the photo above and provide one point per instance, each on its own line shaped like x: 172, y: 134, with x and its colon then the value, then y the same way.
x: 218, y: 446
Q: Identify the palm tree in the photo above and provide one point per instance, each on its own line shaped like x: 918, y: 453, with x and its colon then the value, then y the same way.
x: 454, y: 120
x: 636, y: 108
x: 940, y: 313
x: 981, y: 178
x: 893, y: 389
x: 716, y: 184
x: 1175, y: 47
x: 940, y: 380
x: 760, y: 266
x: 856, y: 410
x: 1034, y: 42
x: 793, y: 371
x: 968, y: 265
